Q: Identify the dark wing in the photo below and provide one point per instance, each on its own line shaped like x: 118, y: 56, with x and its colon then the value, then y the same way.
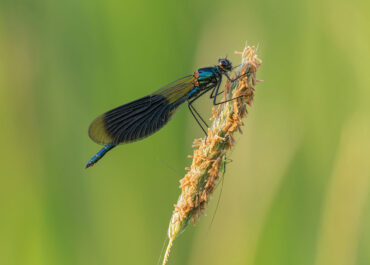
x: 140, y: 118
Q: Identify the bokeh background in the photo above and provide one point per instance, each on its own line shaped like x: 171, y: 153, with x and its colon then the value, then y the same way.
x: 297, y: 191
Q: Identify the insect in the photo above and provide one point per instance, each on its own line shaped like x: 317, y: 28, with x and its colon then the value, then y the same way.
x: 143, y: 117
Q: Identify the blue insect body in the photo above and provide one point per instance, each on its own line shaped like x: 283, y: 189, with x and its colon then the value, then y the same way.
x: 143, y: 117
x: 99, y: 155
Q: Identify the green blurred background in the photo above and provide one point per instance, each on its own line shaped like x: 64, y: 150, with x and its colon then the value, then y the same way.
x: 297, y: 191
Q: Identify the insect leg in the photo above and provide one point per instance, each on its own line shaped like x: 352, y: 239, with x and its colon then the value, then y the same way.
x: 196, y: 112
x: 236, y: 78
x: 219, y: 93
x: 216, y: 89
x: 193, y: 110
x: 196, y: 119
x: 222, y: 102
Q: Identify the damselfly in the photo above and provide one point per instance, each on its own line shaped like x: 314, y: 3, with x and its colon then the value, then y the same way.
x: 143, y: 117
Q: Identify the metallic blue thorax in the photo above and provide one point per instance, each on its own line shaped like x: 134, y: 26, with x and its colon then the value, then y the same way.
x: 205, y: 77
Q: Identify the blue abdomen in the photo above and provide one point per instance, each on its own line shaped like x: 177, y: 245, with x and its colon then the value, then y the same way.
x: 99, y: 155
x: 194, y: 91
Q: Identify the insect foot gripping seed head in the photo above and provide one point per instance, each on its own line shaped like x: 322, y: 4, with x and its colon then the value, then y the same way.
x: 209, y: 153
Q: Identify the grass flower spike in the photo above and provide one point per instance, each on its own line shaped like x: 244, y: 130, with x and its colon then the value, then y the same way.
x: 210, y: 152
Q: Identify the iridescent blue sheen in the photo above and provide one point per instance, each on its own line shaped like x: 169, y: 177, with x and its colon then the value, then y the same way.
x: 143, y: 117
x: 195, y: 90
x: 99, y: 155
x: 206, y: 75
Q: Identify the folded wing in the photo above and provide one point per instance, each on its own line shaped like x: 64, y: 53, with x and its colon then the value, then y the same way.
x: 140, y: 118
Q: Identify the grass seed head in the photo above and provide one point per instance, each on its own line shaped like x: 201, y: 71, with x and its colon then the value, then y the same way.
x: 201, y: 179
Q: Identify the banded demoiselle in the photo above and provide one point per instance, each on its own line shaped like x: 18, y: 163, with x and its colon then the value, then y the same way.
x: 143, y: 117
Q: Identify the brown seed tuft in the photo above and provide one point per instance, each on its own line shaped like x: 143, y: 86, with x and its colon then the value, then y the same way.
x: 209, y: 155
